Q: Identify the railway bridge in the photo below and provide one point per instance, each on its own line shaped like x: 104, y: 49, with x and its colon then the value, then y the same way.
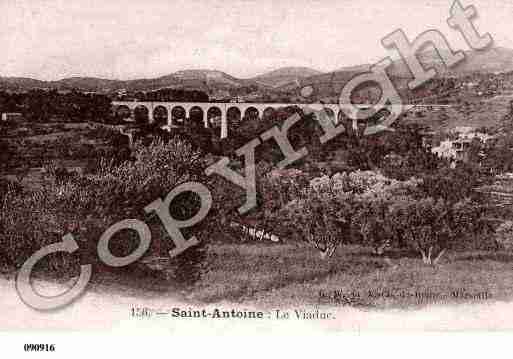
x: 212, y: 114
x: 226, y: 114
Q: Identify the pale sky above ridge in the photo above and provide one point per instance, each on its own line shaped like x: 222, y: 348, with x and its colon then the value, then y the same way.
x: 127, y: 39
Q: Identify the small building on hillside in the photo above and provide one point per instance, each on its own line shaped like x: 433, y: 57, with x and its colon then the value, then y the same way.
x: 11, y: 117
x: 458, y: 149
x: 428, y: 139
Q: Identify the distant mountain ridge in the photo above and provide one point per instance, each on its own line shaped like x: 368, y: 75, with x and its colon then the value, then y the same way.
x: 493, y: 60
x: 199, y: 79
x: 496, y: 59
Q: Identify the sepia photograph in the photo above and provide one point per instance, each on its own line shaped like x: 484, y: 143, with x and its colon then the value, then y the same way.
x: 327, y: 166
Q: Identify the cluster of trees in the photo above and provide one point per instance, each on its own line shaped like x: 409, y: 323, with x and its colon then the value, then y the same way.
x: 499, y: 157
x: 399, y: 153
x: 43, y: 106
x: 401, y: 195
x: 368, y: 208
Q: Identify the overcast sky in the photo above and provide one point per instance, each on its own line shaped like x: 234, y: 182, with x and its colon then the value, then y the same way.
x: 128, y: 39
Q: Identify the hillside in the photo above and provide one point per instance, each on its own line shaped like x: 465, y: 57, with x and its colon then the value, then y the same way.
x: 497, y: 59
x: 285, y: 75
x: 197, y: 79
x: 20, y: 83
x: 493, y: 60
x: 327, y: 85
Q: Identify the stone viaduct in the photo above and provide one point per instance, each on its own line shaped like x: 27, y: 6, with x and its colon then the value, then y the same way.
x: 212, y: 114
x: 220, y: 114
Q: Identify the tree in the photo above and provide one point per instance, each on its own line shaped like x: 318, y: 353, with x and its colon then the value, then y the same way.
x: 321, y: 219
x: 504, y: 235
x: 425, y: 226
x: 374, y: 225
x: 6, y: 154
x: 452, y: 185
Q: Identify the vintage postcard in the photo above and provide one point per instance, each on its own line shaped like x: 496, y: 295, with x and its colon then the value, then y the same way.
x: 325, y: 166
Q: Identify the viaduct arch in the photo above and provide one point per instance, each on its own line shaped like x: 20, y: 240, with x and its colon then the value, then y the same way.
x: 213, y: 114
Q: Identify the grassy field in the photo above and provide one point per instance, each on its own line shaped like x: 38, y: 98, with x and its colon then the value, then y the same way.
x: 289, y: 275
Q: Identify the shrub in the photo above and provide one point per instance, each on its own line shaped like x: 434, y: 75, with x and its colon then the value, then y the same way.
x: 452, y: 185
x: 28, y: 222
x: 86, y: 206
x: 425, y: 226
x: 57, y: 173
x: 373, y: 224
x: 275, y: 190
x: 7, y: 186
x: 504, y: 235
x: 369, y: 184
x: 321, y: 219
x: 335, y: 209
x: 369, y: 208
x: 433, y: 226
x: 467, y: 222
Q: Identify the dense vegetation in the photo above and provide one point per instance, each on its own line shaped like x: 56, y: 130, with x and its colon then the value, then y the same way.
x: 386, y: 192
x: 44, y: 106
x: 85, y: 206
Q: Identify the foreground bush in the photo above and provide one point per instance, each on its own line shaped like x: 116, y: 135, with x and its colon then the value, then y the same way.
x: 87, y: 206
